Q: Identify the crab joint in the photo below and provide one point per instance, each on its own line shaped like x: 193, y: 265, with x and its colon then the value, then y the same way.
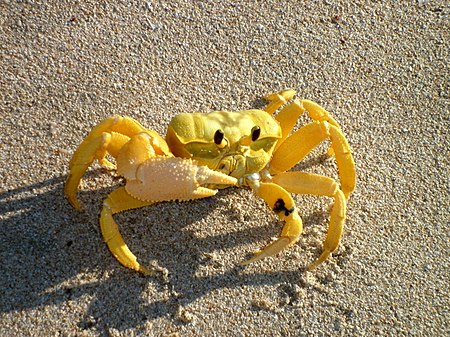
x: 280, y: 206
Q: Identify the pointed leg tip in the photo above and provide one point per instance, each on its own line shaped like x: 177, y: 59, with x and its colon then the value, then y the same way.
x: 324, y: 256
x: 143, y: 270
x: 245, y: 263
x: 256, y: 257
x: 286, y: 94
x: 74, y: 202
x: 312, y: 266
x: 270, y: 250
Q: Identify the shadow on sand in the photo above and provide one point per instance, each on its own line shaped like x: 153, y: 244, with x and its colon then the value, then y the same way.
x: 52, y: 254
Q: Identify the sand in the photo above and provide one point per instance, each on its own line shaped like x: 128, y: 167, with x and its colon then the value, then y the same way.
x: 380, y: 69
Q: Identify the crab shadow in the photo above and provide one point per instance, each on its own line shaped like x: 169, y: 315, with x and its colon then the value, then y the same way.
x: 53, y: 254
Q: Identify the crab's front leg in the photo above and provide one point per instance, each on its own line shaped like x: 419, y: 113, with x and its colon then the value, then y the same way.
x: 108, y: 137
x: 283, y: 205
x: 156, y: 179
x: 119, y: 201
x: 304, y: 140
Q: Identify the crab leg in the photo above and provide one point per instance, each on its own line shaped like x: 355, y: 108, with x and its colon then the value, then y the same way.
x: 95, y: 148
x: 277, y: 99
x: 283, y: 205
x: 309, y: 183
x: 118, y: 201
x: 157, y: 179
x: 317, y: 113
x: 289, y: 115
x: 344, y: 160
x: 108, y: 137
x: 304, y: 140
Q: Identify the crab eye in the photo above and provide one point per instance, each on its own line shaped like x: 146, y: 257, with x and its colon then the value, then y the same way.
x: 218, y: 137
x: 256, y: 132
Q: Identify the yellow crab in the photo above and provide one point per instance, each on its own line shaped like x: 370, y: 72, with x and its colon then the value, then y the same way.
x: 206, y: 152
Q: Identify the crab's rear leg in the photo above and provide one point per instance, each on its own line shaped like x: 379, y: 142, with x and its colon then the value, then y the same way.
x: 283, y: 205
x: 309, y: 183
x: 277, y: 99
x: 304, y: 140
x: 288, y: 116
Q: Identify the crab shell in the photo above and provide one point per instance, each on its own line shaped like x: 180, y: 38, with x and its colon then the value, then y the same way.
x: 239, y: 152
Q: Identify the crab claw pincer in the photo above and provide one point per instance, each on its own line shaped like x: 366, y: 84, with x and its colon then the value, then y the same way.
x: 165, y: 179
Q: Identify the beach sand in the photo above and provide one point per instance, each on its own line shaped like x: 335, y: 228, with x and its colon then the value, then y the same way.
x: 380, y: 69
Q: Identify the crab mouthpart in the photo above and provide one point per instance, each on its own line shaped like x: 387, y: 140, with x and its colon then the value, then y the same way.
x: 232, y: 165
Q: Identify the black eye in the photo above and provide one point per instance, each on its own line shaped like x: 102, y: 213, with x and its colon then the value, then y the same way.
x: 218, y: 137
x: 256, y: 132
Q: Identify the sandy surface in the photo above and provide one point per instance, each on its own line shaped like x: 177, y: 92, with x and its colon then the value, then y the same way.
x: 382, y: 70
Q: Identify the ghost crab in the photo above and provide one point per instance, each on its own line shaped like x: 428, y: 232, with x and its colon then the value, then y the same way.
x: 206, y: 152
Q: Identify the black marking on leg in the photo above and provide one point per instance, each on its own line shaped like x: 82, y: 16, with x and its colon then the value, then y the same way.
x: 280, y: 206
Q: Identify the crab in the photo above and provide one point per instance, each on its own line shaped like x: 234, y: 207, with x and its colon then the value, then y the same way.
x: 205, y: 152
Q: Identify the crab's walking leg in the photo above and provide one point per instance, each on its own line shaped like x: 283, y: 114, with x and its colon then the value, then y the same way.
x: 107, y: 137
x: 156, y: 179
x: 317, y: 113
x: 276, y: 100
x: 118, y: 201
x: 344, y: 160
x: 289, y: 115
x: 87, y: 152
x: 304, y: 140
x: 309, y: 183
x: 282, y: 203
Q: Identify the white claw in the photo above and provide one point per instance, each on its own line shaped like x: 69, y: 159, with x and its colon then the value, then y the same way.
x: 206, y: 176
x: 164, y: 179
